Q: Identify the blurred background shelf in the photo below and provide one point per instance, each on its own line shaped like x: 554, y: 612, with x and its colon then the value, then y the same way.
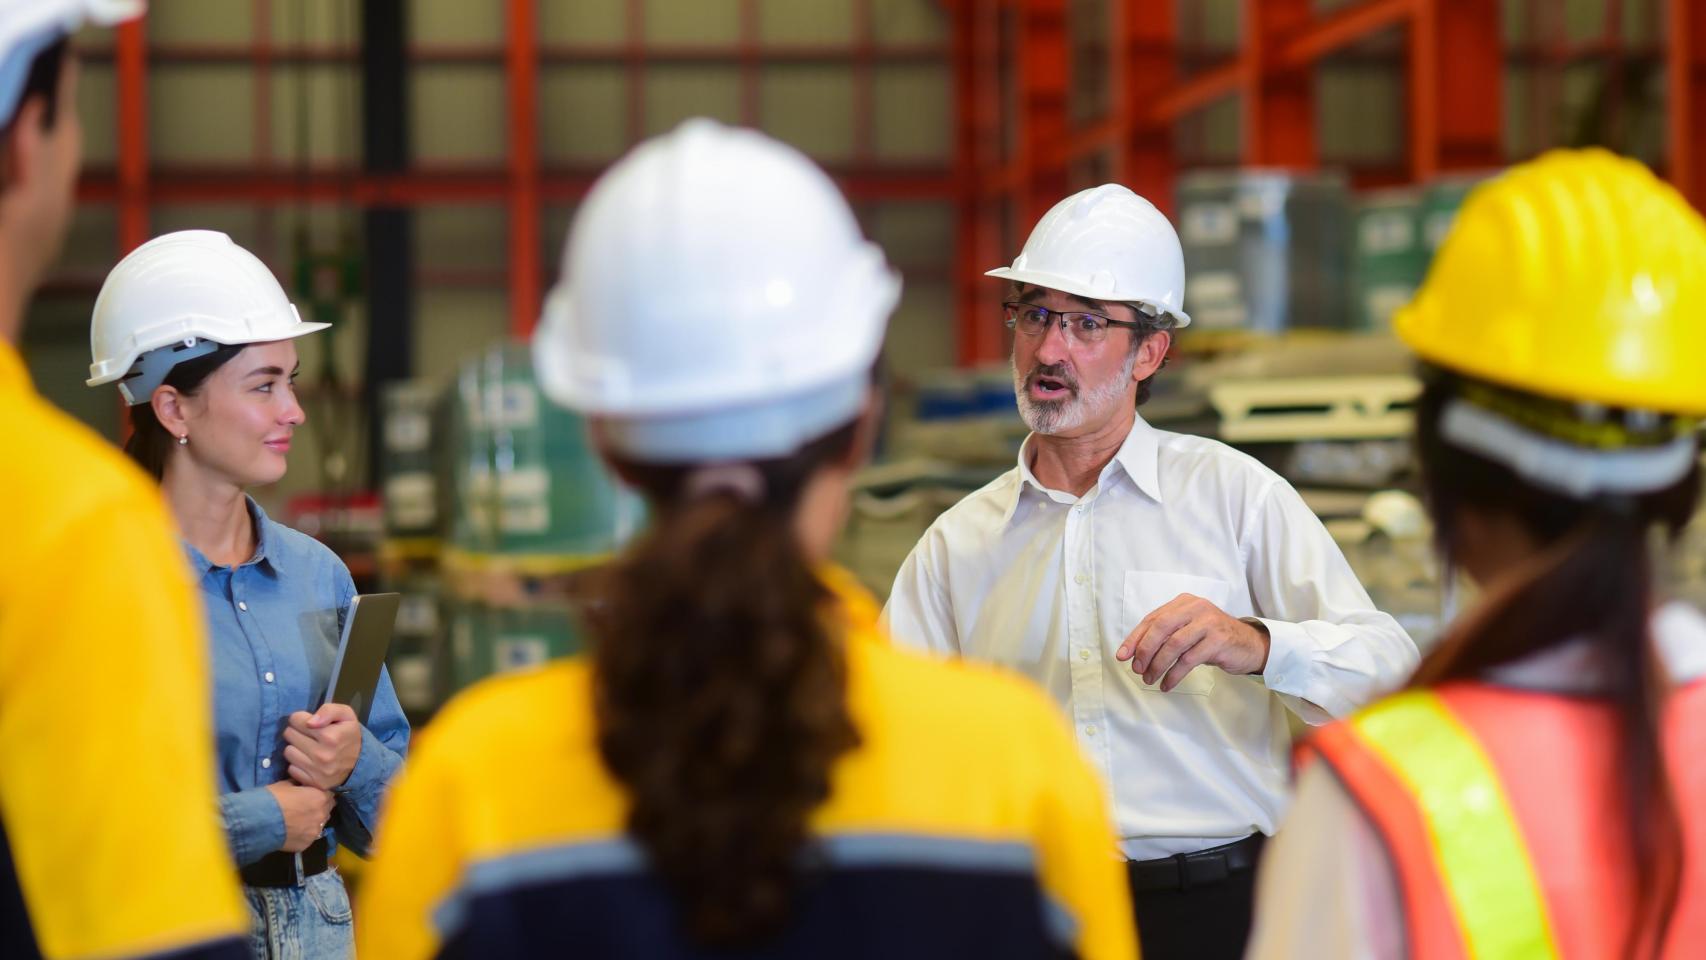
x: 409, y: 169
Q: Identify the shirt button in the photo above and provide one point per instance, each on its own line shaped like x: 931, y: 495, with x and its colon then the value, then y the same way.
x: 266, y: 762
x: 1083, y: 654
x: 1081, y: 508
x: 241, y: 605
x: 267, y: 676
x: 1090, y: 731
x: 1079, y: 579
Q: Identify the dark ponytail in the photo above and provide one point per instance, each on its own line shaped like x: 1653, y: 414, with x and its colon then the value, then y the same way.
x: 149, y: 443
x: 1594, y: 581
x: 720, y: 691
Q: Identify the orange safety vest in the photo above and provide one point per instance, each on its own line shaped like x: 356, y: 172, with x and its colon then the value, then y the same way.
x: 1504, y: 815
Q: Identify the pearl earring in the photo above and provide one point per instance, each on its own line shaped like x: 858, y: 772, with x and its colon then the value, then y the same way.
x: 184, y: 441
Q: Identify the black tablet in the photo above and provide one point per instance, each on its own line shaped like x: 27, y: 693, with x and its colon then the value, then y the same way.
x: 361, y: 651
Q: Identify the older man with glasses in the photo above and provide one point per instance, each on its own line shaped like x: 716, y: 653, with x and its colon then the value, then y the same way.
x: 1174, y: 595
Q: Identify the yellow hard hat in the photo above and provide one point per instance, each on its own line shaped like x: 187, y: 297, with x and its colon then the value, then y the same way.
x: 1578, y: 276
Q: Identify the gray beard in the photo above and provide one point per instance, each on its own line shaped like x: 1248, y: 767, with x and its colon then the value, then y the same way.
x: 1050, y: 417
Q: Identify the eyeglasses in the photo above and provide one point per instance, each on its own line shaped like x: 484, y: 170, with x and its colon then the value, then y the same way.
x: 1034, y: 321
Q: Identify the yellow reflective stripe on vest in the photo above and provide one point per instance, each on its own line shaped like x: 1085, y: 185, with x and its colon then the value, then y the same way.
x: 1477, y: 844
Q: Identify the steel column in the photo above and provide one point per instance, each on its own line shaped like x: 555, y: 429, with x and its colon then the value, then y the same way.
x: 1148, y: 68
x: 131, y: 56
x: 1043, y: 73
x: 1686, y: 73
x: 1456, y: 87
x: 1279, y: 98
x: 521, y: 68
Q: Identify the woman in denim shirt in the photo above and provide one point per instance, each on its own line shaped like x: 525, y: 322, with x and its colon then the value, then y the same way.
x: 200, y: 338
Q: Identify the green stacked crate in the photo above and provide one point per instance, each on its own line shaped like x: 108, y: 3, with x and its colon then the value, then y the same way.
x: 415, y: 646
x: 534, y: 506
x: 1264, y: 249
x: 406, y: 467
x: 470, y: 631
x: 552, y: 495
x: 528, y: 636
x: 464, y: 467
x: 470, y: 463
x: 1439, y: 207
x: 1388, y: 257
x: 486, y: 639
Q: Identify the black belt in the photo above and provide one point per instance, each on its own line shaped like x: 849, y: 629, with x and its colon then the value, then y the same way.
x: 1182, y: 871
x: 280, y: 869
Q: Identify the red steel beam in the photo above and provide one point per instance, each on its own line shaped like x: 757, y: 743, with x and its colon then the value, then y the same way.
x: 1044, y: 70
x: 748, y: 53
x: 1199, y: 91
x: 553, y: 54
x: 1686, y: 73
x: 1279, y: 101
x: 634, y: 60
x: 1150, y: 64
x: 183, y: 185
x: 1577, y: 51
x: 521, y: 67
x: 1456, y: 85
x: 267, y: 246
x: 1094, y: 138
x: 1423, y: 91
x: 1343, y: 27
x: 972, y: 62
x: 131, y: 56
x: 865, y: 54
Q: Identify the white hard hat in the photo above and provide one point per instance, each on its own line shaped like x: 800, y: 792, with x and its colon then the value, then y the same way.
x: 27, y: 27
x: 717, y: 301
x: 1106, y: 243
x: 180, y: 296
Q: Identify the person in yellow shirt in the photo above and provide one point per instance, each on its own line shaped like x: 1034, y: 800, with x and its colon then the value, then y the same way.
x: 743, y: 765
x: 109, y: 837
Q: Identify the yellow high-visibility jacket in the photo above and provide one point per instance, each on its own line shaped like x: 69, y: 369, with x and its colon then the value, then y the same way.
x: 964, y: 825
x: 110, y: 844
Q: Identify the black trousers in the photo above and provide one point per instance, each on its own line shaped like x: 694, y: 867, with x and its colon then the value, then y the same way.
x: 1206, y: 922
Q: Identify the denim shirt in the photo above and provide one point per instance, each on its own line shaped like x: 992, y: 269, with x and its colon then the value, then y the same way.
x: 274, y: 623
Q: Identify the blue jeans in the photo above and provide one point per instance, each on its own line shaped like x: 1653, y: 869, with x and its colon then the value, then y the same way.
x: 310, y: 922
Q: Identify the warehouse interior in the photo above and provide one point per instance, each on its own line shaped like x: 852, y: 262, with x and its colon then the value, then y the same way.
x: 409, y: 171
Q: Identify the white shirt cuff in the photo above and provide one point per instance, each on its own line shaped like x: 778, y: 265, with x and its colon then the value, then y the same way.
x: 1291, y: 667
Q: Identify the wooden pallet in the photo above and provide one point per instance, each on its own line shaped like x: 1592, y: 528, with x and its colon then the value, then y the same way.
x: 1315, y: 408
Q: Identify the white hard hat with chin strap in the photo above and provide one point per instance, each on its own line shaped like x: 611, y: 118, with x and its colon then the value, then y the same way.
x: 1106, y: 243
x: 718, y: 301
x: 178, y: 297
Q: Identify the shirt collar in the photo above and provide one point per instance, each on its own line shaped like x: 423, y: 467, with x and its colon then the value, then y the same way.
x: 1138, y: 456
x: 263, y: 555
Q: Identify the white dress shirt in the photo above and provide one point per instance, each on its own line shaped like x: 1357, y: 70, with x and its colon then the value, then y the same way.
x: 1347, y: 906
x: 1050, y: 584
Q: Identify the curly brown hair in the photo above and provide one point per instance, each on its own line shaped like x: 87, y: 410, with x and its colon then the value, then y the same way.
x: 721, y: 691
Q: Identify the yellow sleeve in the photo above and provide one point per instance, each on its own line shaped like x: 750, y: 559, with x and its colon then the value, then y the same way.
x: 106, y: 743
x: 417, y: 856
x: 1081, y: 869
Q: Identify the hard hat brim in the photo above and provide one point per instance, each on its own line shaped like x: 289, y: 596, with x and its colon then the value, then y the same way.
x: 1055, y: 281
x: 112, y: 371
